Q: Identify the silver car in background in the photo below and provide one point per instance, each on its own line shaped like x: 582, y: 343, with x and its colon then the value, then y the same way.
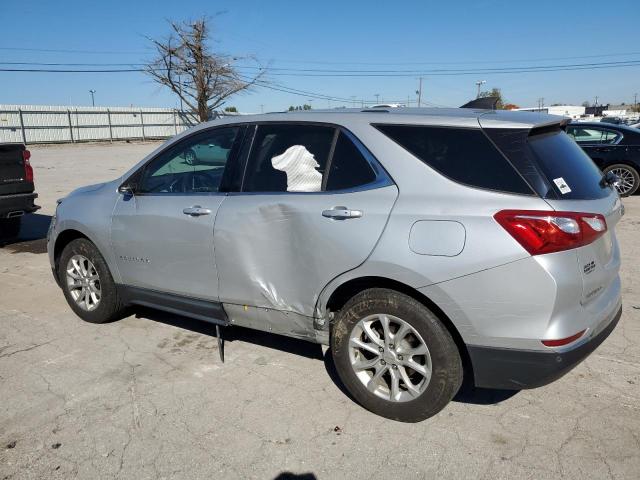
x: 422, y: 245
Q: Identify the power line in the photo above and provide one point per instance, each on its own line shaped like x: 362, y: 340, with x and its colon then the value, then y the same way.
x: 375, y: 73
x: 319, y: 62
x: 459, y: 62
x: 54, y: 50
x: 342, y: 72
x: 400, y: 73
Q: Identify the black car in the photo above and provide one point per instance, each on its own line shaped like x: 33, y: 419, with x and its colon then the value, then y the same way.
x: 614, y: 148
x: 16, y: 188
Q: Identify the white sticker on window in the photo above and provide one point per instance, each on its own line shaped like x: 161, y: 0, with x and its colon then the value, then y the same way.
x: 300, y: 166
x: 562, y: 185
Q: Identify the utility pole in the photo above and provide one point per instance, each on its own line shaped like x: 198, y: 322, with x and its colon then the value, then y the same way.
x: 419, y: 92
x: 261, y: 108
x: 479, y: 83
x: 93, y: 101
x: 353, y: 100
x: 635, y: 101
x: 377, y: 95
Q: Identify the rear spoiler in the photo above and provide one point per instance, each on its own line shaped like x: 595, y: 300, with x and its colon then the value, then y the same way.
x: 485, y: 103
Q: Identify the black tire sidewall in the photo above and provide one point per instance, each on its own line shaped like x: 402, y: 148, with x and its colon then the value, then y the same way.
x: 10, y: 228
x: 634, y: 172
x: 447, y: 365
x: 109, y: 305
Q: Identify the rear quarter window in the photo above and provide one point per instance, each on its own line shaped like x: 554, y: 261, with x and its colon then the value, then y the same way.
x: 466, y: 156
x: 563, y: 162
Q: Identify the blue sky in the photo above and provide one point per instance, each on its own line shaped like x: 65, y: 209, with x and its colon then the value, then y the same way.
x: 335, y: 35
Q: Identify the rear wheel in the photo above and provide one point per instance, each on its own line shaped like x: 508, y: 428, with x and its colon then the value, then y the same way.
x: 10, y: 227
x: 87, y: 283
x: 628, y: 178
x: 395, y: 356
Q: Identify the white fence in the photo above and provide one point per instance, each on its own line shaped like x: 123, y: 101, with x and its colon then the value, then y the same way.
x: 50, y: 124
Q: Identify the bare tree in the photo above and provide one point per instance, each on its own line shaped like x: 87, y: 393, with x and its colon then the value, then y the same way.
x: 202, y: 78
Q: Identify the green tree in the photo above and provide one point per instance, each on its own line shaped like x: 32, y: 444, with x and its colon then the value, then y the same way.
x: 231, y: 109
x: 494, y: 92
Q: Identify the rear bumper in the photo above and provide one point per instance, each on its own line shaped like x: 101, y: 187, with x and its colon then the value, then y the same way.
x: 512, y: 369
x: 17, y: 204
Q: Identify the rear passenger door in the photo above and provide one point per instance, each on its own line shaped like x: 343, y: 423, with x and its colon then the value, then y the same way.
x: 312, y: 205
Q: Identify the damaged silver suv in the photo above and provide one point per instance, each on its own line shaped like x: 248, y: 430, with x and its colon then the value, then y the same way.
x: 422, y: 245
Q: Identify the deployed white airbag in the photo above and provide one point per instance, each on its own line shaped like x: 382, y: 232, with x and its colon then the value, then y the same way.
x: 300, y: 166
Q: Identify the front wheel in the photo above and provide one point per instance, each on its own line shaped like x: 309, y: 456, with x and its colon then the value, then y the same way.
x: 395, y: 356
x: 628, y: 178
x: 87, y: 283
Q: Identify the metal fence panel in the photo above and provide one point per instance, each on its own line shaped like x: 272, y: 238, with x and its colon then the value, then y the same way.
x: 56, y: 124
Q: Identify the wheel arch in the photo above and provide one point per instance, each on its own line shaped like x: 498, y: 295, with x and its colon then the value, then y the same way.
x: 353, y: 286
x: 63, y: 239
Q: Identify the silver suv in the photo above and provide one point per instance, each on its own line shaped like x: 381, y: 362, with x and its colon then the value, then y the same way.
x: 422, y: 245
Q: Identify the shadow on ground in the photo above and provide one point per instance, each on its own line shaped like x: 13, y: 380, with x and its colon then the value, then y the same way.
x: 467, y: 394
x: 32, y: 237
x: 296, y: 476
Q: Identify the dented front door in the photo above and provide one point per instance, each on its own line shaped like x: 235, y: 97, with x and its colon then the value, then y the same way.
x: 278, y: 251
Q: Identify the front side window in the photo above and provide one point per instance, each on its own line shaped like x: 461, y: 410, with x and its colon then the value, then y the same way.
x: 288, y: 158
x: 194, y: 165
x: 463, y: 155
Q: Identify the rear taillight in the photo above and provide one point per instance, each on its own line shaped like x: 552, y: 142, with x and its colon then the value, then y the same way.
x: 28, y: 169
x: 547, y: 232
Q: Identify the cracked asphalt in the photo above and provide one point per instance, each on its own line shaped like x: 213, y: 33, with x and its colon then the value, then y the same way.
x: 147, y: 397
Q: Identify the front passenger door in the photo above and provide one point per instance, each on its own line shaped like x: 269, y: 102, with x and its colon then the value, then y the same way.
x: 162, y: 235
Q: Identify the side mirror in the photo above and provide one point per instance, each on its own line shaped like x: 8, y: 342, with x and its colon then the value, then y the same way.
x: 127, y: 189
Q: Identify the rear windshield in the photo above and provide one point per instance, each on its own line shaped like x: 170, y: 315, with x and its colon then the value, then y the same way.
x: 570, y: 171
x: 464, y: 155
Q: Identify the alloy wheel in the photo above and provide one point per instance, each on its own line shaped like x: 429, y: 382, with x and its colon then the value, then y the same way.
x: 390, y: 358
x: 626, y: 180
x: 83, y: 282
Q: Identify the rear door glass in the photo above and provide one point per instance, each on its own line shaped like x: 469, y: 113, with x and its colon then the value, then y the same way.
x: 570, y: 171
x: 349, y: 168
x: 288, y: 158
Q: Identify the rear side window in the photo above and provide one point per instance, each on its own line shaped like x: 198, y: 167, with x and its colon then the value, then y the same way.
x: 349, y: 168
x: 288, y: 158
x: 584, y: 135
x: 570, y: 171
x: 463, y: 155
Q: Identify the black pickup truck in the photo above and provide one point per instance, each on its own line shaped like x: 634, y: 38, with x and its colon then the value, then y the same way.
x: 16, y: 188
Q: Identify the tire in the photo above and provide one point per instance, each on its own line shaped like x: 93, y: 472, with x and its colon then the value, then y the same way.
x: 371, y: 306
x: 10, y: 227
x: 629, y: 177
x: 109, y: 306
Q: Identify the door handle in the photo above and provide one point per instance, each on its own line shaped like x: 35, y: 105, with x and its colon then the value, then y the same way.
x: 341, y: 213
x: 196, y: 211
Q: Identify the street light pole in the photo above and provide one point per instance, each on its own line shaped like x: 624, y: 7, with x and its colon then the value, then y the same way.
x: 479, y: 83
x: 93, y: 102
